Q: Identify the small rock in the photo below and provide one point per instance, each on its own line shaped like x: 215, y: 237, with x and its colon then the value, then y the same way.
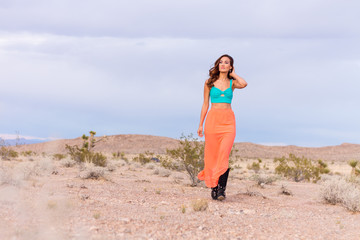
x: 84, y: 197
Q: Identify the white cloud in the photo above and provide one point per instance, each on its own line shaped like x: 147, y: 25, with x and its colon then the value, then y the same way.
x: 15, y: 136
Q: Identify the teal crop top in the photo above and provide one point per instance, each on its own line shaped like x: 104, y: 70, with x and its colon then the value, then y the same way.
x: 218, y: 96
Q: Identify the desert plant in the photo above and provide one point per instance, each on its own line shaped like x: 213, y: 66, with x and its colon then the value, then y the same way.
x: 190, y: 155
x: 200, y: 205
x: 339, y: 190
x: 85, y: 153
x: 299, y: 168
x: 144, y: 158
x: 119, y: 155
x: 28, y: 153
x: 254, y: 166
x: 67, y: 163
x: 91, y: 171
x: 354, y: 170
x: 263, y: 179
x: 59, y: 156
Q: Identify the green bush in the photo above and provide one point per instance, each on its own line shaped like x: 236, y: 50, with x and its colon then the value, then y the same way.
x: 59, y: 156
x: 28, y: 153
x: 300, y: 169
x: 6, y: 153
x: 144, y: 158
x: 85, y: 153
x: 254, y: 166
x: 189, y: 155
x: 354, y: 170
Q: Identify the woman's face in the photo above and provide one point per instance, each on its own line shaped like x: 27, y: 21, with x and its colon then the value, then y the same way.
x: 224, y: 64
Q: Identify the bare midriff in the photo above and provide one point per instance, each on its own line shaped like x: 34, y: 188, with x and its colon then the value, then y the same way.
x: 221, y: 105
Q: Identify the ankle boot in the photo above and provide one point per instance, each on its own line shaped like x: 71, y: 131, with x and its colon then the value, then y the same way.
x: 221, y: 193
x: 222, y: 185
x: 214, y: 193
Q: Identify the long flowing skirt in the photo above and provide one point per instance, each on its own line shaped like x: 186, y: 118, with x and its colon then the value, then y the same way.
x: 220, y: 133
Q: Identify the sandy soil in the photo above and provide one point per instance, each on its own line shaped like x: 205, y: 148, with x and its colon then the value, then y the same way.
x: 133, y: 202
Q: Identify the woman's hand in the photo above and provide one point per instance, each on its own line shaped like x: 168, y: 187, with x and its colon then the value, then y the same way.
x: 233, y: 74
x: 200, y: 131
x: 239, y: 81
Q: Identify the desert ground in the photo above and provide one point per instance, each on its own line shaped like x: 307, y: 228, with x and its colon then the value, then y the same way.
x: 45, y: 198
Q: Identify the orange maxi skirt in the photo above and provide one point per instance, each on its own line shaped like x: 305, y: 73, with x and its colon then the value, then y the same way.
x: 220, y: 133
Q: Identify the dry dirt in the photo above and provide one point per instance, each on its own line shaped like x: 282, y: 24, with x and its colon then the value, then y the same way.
x: 133, y: 202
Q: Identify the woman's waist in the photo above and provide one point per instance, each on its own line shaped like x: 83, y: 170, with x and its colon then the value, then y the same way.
x: 220, y: 106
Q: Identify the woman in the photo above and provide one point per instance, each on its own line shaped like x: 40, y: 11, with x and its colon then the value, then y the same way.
x: 219, y: 125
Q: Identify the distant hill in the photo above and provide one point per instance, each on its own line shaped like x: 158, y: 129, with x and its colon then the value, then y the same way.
x: 20, y: 141
x: 133, y: 144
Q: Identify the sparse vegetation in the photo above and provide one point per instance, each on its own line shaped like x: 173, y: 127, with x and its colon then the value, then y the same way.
x: 255, y: 166
x: 90, y: 171
x: 299, y: 169
x: 119, y: 155
x: 200, y: 205
x: 145, y: 158
x: 189, y: 155
x: 6, y: 153
x: 59, y: 156
x: 67, y: 163
x: 354, y: 170
x: 28, y: 153
x: 263, y: 179
x: 337, y: 190
x: 85, y: 153
x: 183, y: 208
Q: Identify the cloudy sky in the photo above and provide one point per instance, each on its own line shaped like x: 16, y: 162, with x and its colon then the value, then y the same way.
x: 138, y: 67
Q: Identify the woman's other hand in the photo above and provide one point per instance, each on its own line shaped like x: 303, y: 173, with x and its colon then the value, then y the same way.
x: 200, y: 131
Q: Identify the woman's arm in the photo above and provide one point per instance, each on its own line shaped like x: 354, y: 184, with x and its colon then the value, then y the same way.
x: 239, y: 81
x: 204, y: 109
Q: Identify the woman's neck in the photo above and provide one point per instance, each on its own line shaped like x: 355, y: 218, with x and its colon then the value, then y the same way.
x: 223, y: 76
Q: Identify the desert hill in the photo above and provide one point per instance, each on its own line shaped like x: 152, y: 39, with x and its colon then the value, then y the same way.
x: 134, y: 143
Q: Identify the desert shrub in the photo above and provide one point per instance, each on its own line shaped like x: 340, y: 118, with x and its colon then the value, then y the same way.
x: 263, y: 179
x: 354, y: 170
x: 255, y: 166
x: 164, y: 173
x: 28, y: 153
x: 119, y: 155
x: 6, y: 153
x: 91, y: 171
x: 111, y: 166
x: 144, y: 158
x: 300, y: 169
x: 189, y: 155
x: 59, y: 156
x: 337, y: 190
x: 200, y: 205
x: 85, y: 153
x: 67, y: 163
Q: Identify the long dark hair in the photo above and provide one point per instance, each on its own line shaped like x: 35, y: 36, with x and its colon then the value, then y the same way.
x: 214, y: 72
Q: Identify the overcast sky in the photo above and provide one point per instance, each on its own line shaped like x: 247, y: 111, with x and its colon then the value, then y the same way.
x: 138, y: 67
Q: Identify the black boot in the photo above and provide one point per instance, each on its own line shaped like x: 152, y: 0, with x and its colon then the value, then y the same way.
x: 222, y: 185
x: 214, y: 193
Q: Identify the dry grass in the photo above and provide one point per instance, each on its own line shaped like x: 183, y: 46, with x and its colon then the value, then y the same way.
x: 67, y: 162
x: 90, y: 171
x: 337, y: 190
x: 200, y: 205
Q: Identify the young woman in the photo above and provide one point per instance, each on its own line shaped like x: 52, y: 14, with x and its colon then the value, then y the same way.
x: 219, y: 125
